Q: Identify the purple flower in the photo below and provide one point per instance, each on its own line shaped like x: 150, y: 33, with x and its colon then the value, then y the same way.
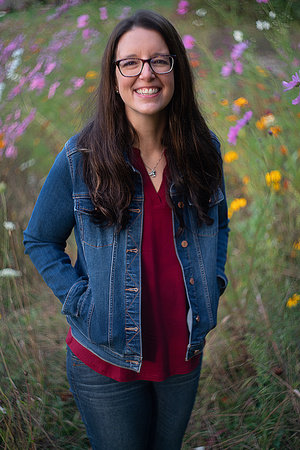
x: 11, y: 151
x: 82, y: 21
x: 188, y: 41
x: 288, y: 85
x: 125, y: 12
x: 238, y: 50
x: 238, y: 67
x: 50, y: 67
x: 77, y: 82
x: 53, y: 88
x: 291, y: 84
x: 234, y: 131
x: 182, y: 7
x: 87, y: 33
x: 262, y: 1
x: 37, y: 82
x: 103, y: 13
x: 227, y: 69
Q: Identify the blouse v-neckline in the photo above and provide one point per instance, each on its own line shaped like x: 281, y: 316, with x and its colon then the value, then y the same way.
x: 159, y: 194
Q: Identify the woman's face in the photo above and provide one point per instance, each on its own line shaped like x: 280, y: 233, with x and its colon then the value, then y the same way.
x: 147, y: 94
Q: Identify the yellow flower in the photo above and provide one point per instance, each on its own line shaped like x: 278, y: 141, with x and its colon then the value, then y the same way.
x: 224, y: 102
x: 235, y: 205
x: 265, y: 121
x: 246, y: 179
x: 261, y: 71
x: 296, y: 245
x: 230, y: 156
x: 273, y: 177
x: 241, y: 101
x: 231, y: 118
x: 275, y: 130
x: 91, y: 89
x: 293, y: 301
x: 91, y: 75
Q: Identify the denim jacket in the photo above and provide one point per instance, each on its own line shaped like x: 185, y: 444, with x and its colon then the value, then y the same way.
x: 101, y: 293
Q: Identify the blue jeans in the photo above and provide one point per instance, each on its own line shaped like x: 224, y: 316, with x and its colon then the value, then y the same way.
x: 135, y: 415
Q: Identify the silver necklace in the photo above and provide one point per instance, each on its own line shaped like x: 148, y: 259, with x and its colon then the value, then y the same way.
x: 152, y: 172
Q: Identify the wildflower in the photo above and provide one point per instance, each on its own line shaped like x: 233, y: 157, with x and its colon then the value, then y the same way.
x: 227, y: 69
x: 182, y: 7
x: 53, y: 88
x: 11, y: 151
x: 272, y: 14
x: 68, y: 92
x: 293, y: 301
x: 86, y: 33
x: 103, y: 13
x: 9, y: 273
x: 275, y: 130
x: 38, y: 82
x: 91, y: 89
x: 283, y: 150
x: 234, y: 131
x: 296, y: 245
x: 201, y: 12
x: 238, y: 50
x: 82, y: 21
x: 9, y: 226
x: 241, y: 101
x: 238, y: 67
x: 77, y: 82
x: 230, y: 156
x: 265, y: 121
x: 262, y: 1
x: 262, y: 25
x: 125, y: 12
x: 273, y: 179
x: 224, y: 102
x: 235, y: 205
x: 288, y: 85
x: 91, y: 75
x: 246, y: 180
x: 188, y: 41
x: 238, y: 35
x: 232, y: 118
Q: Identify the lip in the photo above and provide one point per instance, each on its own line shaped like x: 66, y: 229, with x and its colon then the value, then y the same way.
x: 147, y: 94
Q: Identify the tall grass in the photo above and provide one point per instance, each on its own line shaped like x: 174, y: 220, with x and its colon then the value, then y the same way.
x: 249, y: 389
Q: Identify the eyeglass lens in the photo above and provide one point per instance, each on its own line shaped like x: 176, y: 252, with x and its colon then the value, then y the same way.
x: 133, y: 66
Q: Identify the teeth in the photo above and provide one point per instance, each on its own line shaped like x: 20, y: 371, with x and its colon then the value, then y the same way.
x: 147, y: 91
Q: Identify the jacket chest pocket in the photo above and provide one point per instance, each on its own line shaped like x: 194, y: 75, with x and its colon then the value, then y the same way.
x: 92, y: 234
x: 212, y: 230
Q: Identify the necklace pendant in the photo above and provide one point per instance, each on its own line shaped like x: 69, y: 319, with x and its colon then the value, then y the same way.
x: 152, y: 173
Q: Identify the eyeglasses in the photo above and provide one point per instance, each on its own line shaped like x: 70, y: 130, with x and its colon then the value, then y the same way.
x: 132, y: 67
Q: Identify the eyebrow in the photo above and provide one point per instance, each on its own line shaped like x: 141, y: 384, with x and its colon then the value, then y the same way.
x: 154, y: 55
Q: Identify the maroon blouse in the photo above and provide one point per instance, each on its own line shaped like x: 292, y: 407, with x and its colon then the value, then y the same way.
x: 164, y: 304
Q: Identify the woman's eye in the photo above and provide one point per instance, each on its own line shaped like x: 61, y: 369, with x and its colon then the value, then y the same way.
x: 160, y: 62
x: 129, y: 63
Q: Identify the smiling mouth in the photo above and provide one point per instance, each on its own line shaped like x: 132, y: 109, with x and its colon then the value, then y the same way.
x: 148, y: 91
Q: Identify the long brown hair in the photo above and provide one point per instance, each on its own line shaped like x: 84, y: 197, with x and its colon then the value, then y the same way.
x: 194, y: 163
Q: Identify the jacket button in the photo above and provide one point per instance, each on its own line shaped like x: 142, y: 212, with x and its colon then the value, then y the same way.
x: 192, y: 281
x: 180, y: 204
x: 197, y: 318
x: 184, y: 244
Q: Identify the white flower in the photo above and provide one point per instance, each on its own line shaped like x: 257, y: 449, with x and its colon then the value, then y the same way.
x: 201, y: 12
x: 272, y: 14
x: 262, y: 25
x: 3, y: 410
x: 9, y: 226
x: 18, y: 52
x: 238, y: 35
x: 7, y: 272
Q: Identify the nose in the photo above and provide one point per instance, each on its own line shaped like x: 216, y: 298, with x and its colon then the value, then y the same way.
x: 147, y: 72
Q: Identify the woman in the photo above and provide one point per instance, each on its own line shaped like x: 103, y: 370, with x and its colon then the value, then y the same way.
x: 142, y: 187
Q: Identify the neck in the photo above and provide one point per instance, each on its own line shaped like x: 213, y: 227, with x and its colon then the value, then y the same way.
x: 150, y: 131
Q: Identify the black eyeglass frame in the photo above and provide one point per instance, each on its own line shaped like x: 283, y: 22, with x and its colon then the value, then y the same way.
x: 117, y: 63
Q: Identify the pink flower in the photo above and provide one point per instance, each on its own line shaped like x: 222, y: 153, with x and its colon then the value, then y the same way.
x: 126, y: 10
x: 86, y: 33
x: 234, y: 131
x: 182, y: 7
x: 238, y: 67
x: 50, y: 67
x: 262, y: 1
x: 82, y: 21
x: 238, y: 50
x: 288, y: 85
x: 68, y: 92
x: 37, y: 82
x: 103, y: 13
x: 296, y: 100
x: 77, y: 82
x: 227, y: 69
x: 53, y: 88
x: 188, y: 41
x: 11, y: 151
